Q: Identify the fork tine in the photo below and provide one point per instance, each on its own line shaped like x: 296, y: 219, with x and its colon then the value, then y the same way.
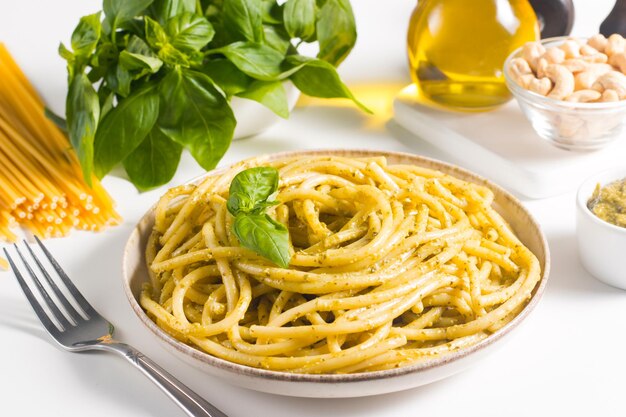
x: 75, y: 315
x: 39, y: 311
x: 65, y: 324
x: 84, y: 304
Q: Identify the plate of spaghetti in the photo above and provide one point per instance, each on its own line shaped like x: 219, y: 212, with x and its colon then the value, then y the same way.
x: 400, y: 271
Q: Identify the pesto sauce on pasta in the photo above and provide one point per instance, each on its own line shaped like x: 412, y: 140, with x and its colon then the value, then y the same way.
x: 390, y: 265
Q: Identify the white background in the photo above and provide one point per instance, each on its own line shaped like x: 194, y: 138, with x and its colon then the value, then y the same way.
x: 568, y: 358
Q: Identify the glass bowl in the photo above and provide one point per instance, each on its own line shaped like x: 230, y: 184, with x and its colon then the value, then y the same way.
x: 568, y: 125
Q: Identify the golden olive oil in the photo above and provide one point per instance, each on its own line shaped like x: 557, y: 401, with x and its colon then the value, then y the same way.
x: 457, y: 49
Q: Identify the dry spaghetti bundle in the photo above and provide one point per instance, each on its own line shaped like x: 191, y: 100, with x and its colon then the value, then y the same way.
x: 41, y: 185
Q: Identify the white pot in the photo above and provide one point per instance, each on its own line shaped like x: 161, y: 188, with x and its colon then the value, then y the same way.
x: 601, y: 245
x: 253, y: 117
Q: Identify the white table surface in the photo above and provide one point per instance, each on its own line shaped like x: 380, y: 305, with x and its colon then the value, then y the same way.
x: 568, y: 358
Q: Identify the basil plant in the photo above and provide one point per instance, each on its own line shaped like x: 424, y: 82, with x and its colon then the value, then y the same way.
x: 148, y: 78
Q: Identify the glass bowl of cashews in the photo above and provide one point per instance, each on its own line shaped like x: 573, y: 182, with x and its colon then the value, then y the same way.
x: 572, y: 90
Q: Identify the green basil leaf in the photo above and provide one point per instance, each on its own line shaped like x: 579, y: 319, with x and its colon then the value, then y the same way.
x: 133, y: 27
x: 86, y: 35
x: 59, y: 122
x: 155, y: 34
x: 154, y: 161
x: 243, y: 20
x: 139, y: 56
x: 68, y: 55
x: 132, y: 61
x: 277, y: 37
x: 196, y: 115
x: 164, y: 10
x: 221, y: 37
x: 65, y: 53
x: 124, y: 128
x: 136, y: 45
x: 121, y: 11
x: 271, y: 12
x: 189, y: 32
x: 118, y: 79
x: 336, y: 30
x: 263, y: 235
x: 173, y: 56
x: 269, y: 93
x: 82, y: 114
x: 250, y: 188
x: 299, y: 17
x: 106, y: 97
x: 258, y: 61
x: 226, y: 76
x: 318, y: 78
x: 106, y: 55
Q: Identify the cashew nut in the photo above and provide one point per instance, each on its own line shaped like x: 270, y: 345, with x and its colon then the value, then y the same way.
x: 584, y: 96
x: 609, y: 95
x: 542, y: 64
x: 568, y: 126
x: 619, y: 60
x: 598, y: 58
x: 575, y: 65
x: 540, y: 85
x: 563, y: 81
x: 520, y: 70
x: 615, y: 44
x: 531, y: 52
x: 584, y: 80
x: 571, y: 48
x: 613, y: 80
x: 554, y: 55
x: 598, y: 42
x: 587, y: 50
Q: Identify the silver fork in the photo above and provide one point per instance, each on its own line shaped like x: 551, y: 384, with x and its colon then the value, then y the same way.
x: 77, y: 332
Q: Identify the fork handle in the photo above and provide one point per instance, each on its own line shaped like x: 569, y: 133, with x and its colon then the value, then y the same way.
x: 185, y: 397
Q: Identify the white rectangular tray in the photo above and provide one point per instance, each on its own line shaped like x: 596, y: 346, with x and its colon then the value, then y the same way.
x: 501, y: 145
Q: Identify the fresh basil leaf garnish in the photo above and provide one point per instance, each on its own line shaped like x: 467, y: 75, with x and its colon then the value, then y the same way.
x: 251, y: 192
x: 251, y: 188
x: 263, y: 235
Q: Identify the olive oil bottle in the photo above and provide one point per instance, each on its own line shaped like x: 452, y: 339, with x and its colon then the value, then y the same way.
x: 457, y: 49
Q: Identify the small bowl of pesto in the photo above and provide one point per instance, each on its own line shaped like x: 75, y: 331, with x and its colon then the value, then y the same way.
x: 601, y: 226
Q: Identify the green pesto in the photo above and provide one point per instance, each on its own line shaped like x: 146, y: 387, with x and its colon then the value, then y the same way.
x: 609, y: 202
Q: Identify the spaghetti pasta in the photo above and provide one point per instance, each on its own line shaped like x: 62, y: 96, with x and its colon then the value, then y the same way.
x: 40, y: 177
x: 391, y: 265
